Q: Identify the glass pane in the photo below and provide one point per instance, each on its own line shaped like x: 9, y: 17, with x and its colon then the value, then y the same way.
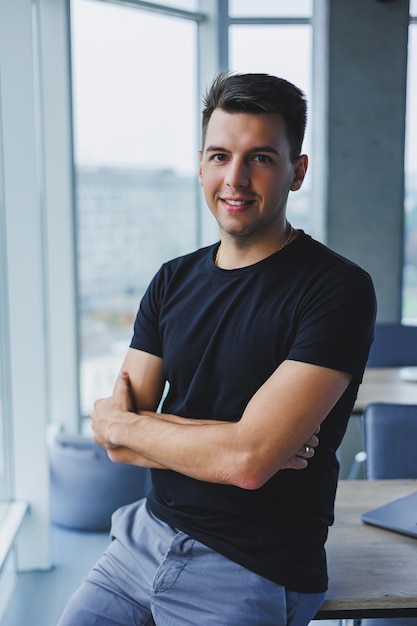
x: 134, y: 79
x: 284, y: 51
x: 185, y: 5
x: 413, y: 8
x: 270, y: 8
x: 4, y: 457
x: 3, y: 468
x: 410, y: 234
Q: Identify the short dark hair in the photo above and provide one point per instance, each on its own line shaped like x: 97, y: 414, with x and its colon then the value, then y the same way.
x: 259, y: 93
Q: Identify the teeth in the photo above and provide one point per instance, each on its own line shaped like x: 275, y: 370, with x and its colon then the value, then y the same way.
x: 236, y: 202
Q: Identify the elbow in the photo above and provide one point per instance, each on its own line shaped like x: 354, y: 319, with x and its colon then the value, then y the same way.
x: 250, y: 482
x: 250, y: 474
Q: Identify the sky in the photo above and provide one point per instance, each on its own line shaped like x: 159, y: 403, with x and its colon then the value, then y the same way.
x: 134, y: 82
x: 126, y: 93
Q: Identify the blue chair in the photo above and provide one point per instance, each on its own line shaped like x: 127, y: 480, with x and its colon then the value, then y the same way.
x: 86, y: 487
x: 390, y: 435
x: 394, y: 345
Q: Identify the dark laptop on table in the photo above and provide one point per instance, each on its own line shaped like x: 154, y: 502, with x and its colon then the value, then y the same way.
x: 399, y: 516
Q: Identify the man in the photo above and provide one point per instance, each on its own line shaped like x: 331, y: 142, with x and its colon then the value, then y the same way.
x: 263, y: 339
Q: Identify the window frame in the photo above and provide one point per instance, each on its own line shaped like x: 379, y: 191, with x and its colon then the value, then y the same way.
x: 38, y: 139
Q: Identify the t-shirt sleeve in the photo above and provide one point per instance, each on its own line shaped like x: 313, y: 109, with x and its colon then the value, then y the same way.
x: 336, y: 322
x: 146, y: 335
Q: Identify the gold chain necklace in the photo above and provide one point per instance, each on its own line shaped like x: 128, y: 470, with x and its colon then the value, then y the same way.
x: 286, y: 242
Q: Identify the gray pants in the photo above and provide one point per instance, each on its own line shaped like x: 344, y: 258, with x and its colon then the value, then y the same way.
x: 152, y: 574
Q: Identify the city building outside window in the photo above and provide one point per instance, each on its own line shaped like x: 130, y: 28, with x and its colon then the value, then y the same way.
x: 135, y: 119
x: 271, y: 47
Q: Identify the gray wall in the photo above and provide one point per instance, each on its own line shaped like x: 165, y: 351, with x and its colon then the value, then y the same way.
x: 363, y: 92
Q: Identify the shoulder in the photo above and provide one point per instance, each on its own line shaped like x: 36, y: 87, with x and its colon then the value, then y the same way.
x: 188, y: 262
x: 182, y: 270
x: 323, y: 254
x: 330, y: 281
x: 330, y: 265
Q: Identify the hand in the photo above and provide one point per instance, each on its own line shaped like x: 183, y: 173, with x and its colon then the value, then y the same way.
x: 300, y: 459
x: 113, y: 410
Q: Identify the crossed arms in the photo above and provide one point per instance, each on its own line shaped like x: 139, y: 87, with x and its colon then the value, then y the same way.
x: 275, y: 426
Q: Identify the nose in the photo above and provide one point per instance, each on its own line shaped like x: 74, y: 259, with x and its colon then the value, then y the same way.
x: 237, y: 174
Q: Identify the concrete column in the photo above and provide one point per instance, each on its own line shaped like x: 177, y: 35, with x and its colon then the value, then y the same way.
x: 363, y: 112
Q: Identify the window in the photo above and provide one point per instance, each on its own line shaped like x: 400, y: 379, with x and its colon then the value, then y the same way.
x: 186, y: 5
x: 4, y: 419
x: 4, y: 447
x: 135, y: 117
x: 271, y: 8
x: 136, y: 120
x: 410, y: 218
x: 2, y: 452
x: 282, y: 48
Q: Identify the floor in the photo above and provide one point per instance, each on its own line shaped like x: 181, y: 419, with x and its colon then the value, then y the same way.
x: 40, y: 597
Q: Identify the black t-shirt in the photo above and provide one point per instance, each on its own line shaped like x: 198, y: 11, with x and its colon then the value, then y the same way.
x: 221, y: 334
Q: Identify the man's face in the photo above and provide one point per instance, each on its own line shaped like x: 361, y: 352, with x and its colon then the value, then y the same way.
x: 246, y: 172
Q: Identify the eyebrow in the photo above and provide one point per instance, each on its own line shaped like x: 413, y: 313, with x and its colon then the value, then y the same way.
x: 253, y: 150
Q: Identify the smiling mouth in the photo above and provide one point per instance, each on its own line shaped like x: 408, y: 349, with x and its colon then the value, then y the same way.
x: 235, y: 202
x: 235, y: 205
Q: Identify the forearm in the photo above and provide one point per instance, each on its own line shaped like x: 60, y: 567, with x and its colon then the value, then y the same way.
x: 275, y: 425
x: 196, y: 448
x: 122, y: 454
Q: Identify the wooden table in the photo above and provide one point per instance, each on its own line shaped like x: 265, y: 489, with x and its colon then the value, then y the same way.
x: 384, y: 384
x: 373, y: 572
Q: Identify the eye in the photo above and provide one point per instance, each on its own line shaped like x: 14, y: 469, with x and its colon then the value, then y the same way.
x: 219, y: 158
x: 262, y: 158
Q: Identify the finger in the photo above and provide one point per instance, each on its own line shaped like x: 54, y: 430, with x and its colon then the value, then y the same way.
x: 296, y: 462
x: 96, y: 406
x: 312, y: 441
x: 122, y: 395
x: 122, y: 382
x: 305, y: 452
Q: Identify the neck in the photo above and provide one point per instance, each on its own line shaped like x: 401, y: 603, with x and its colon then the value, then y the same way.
x: 234, y: 253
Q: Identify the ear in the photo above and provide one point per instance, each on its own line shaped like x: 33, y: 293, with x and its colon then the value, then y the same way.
x: 200, y: 169
x: 300, y: 170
